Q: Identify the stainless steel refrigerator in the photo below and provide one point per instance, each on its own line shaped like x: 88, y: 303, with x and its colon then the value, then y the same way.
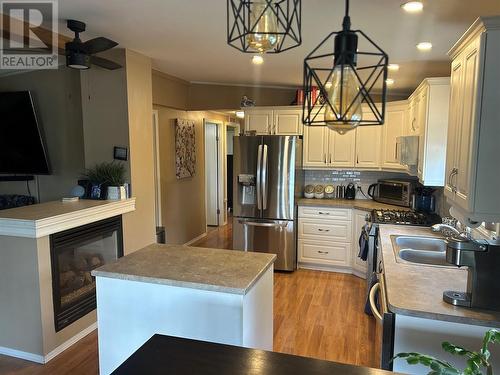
x: 268, y: 177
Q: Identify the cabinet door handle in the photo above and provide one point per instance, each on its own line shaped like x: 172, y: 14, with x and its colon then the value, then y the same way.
x: 453, y: 186
x: 396, y: 151
x: 325, y: 159
x: 330, y: 158
x: 413, y: 124
x: 323, y: 230
x: 323, y: 252
x: 323, y: 213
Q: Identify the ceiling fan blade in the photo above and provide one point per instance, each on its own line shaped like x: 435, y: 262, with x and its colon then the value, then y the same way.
x: 104, y: 63
x: 98, y: 45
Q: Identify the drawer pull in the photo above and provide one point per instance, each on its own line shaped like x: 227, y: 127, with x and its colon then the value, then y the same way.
x: 322, y: 252
x: 323, y: 213
x: 323, y: 230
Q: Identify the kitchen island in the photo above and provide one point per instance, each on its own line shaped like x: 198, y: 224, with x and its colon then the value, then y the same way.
x: 214, y: 295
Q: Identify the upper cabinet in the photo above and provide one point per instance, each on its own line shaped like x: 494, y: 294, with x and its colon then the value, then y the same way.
x: 325, y: 148
x: 472, y: 177
x: 428, y: 119
x: 368, y: 144
x: 274, y: 121
x: 394, y: 127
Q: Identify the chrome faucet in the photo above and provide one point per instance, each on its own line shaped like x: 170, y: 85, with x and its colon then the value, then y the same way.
x: 456, y: 233
x: 442, y: 227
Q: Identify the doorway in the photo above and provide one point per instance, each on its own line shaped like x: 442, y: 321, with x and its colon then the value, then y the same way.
x: 232, y: 130
x: 213, y: 172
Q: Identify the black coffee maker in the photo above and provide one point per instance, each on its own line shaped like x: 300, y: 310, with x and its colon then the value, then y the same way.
x: 424, y: 200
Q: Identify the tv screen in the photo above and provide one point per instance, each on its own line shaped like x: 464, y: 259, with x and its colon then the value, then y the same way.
x: 22, y: 148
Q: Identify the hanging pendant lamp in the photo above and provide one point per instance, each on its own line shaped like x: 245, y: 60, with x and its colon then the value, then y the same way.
x: 264, y: 26
x: 339, y: 88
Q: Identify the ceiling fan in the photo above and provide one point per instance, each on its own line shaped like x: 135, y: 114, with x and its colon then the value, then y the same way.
x: 81, y: 55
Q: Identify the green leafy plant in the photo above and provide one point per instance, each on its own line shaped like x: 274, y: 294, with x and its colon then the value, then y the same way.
x: 476, y: 361
x: 111, y: 174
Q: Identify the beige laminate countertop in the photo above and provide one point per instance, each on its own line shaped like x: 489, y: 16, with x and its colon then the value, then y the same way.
x: 358, y: 204
x: 226, y: 271
x: 417, y: 290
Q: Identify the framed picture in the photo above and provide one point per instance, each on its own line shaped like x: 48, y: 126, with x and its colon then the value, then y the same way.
x: 185, y: 149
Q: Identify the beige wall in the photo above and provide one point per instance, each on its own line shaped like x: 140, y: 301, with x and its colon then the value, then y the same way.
x: 206, y: 97
x: 170, y: 91
x: 104, y: 111
x: 183, y: 201
x: 139, y: 226
x: 56, y: 96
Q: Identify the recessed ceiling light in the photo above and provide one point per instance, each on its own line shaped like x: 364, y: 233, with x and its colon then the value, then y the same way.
x: 393, y: 67
x: 424, y: 46
x: 257, y: 60
x: 413, y: 6
x: 240, y: 114
x: 389, y: 81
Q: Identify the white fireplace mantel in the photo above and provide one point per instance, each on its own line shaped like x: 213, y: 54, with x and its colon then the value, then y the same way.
x: 44, y: 219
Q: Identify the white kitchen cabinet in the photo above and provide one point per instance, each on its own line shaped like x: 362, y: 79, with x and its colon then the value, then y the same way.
x: 274, y: 120
x: 358, y: 265
x: 259, y: 120
x: 325, y: 148
x: 342, y: 149
x: 325, y: 238
x: 472, y: 178
x: 368, y: 144
x: 315, y: 147
x: 394, y: 127
x: 288, y: 122
x: 428, y: 112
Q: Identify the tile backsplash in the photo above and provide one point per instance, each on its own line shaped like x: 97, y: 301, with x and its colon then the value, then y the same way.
x: 337, y: 177
x: 365, y: 179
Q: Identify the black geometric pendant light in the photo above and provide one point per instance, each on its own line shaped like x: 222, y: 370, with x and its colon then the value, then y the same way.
x: 264, y: 26
x: 341, y: 76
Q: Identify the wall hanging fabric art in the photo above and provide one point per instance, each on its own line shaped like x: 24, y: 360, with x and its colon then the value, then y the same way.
x: 185, y: 149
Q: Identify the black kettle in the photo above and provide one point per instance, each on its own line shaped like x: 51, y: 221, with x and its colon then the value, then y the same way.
x: 350, y: 191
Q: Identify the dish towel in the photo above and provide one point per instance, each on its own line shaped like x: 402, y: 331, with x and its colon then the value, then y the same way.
x: 363, y: 243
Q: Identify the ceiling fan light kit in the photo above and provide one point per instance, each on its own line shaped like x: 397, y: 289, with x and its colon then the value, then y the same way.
x: 264, y: 26
x: 80, y: 55
x: 345, y: 82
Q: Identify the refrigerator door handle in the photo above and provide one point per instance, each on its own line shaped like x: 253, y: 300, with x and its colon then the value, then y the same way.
x: 261, y: 224
x: 264, y: 178
x: 259, y: 178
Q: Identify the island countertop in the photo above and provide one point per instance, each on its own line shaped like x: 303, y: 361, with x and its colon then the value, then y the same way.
x: 226, y: 271
x: 417, y: 290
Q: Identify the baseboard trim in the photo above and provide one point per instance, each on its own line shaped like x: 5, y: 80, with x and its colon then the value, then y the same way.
x: 22, y: 355
x: 65, y: 345
x: 196, y: 239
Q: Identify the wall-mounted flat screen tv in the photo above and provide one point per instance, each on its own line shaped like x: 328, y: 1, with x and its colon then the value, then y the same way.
x: 22, y: 149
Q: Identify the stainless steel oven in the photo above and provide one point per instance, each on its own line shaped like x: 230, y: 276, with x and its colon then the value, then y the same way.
x: 384, y: 344
x: 397, y: 192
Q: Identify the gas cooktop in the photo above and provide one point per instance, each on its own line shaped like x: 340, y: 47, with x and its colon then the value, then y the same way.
x: 404, y: 217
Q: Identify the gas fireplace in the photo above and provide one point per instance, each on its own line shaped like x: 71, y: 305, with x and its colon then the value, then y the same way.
x: 74, y: 254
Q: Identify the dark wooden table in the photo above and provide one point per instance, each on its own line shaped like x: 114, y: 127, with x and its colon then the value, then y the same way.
x: 172, y: 355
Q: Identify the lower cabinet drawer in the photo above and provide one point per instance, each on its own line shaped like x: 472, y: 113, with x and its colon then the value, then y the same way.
x: 324, y: 252
x: 337, y: 231
x: 325, y: 213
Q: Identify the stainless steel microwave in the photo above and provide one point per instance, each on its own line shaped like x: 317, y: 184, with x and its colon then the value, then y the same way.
x: 397, y: 192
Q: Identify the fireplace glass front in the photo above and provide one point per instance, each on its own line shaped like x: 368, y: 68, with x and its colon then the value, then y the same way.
x: 74, y: 254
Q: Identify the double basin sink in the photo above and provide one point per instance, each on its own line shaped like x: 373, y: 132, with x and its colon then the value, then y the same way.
x: 420, y: 250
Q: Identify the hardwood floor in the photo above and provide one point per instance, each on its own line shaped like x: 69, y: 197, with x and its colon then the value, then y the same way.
x: 316, y: 314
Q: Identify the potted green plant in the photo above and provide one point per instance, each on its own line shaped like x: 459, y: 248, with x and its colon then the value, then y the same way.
x: 107, y: 177
x: 476, y: 361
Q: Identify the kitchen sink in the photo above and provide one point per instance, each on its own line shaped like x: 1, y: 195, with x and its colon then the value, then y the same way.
x: 420, y: 250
